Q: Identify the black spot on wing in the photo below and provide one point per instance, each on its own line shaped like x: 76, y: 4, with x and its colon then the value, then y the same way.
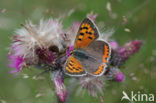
x: 90, y: 38
x: 85, y: 27
x: 69, y: 67
x: 81, y: 33
x: 70, y: 64
x: 80, y: 39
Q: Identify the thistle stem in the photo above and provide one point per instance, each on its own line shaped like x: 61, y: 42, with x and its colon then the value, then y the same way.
x: 71, y: 86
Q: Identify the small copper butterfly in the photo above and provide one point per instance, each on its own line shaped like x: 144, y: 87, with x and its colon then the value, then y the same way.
x: 90, y: 56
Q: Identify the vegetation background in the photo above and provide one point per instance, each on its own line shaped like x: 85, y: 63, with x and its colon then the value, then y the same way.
x: 140, y: 69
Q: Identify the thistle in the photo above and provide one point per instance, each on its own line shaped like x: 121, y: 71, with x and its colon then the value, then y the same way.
x: 47, y: 46
x: 57, y: 78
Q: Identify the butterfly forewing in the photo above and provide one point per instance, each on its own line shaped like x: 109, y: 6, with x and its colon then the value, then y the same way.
x: 87, y: 33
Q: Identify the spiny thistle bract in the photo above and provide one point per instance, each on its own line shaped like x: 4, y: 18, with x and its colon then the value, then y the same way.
x: 48, y: 46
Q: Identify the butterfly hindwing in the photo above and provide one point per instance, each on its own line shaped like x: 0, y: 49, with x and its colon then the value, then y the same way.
x: 100, y: 51
x: 73, y: 67
x: 87, y: 33
x: 107, y: 53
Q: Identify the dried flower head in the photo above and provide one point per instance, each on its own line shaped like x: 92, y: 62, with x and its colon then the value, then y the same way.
x: 94, y: 85
x: 35, y: 43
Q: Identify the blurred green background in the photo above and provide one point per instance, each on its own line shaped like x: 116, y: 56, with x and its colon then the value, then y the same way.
x: 140, y: 69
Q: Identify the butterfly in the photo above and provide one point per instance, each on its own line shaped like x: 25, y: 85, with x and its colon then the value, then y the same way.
x: 90, y: 56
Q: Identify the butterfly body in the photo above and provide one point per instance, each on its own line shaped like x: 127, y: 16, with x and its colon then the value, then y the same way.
x: 90, y: 55
x: 82, y: 55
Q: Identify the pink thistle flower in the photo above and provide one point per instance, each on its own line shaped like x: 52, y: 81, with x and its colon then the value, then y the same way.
x: 114, y: 45
x: 119, y: 77
x: 120, y: 55
x: 16, y: 62
x: 34, y: 42
x: 115, y: 74
x: 57, y: 78
x: 129, y: 49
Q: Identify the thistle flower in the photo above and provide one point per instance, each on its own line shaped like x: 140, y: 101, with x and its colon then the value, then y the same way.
x: 94, y: 85
x: 115, y: 74
x: 45, y: 55
x: 116, y: 59
x: 16, y: 62
x: 119, y: 77
x: 38, y: 43
x: 120, y: 55
x: 129, y: 49
x: 57, y: 78
x: 114, y: 45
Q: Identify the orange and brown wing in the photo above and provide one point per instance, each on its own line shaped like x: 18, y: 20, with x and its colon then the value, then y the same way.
x: 87, y: 33
x: 73, y: 67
